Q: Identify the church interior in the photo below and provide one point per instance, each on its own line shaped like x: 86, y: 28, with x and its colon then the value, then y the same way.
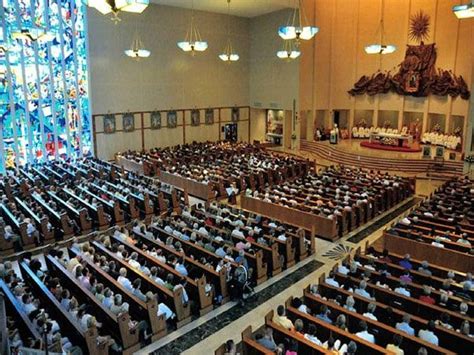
x: 237, y: 177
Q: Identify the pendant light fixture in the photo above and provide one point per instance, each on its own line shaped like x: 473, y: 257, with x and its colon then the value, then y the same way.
x: 193, y: 42
x: 463, y: 11
x: 290, y: 50
x: 228, y: 54
x: 381, y: 47
x: 137, y: 50
x: 298, y: 26
x: 115, y: 6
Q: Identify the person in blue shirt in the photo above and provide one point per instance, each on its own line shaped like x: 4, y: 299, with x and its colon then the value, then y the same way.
x: 405, y: 263
x: 324, y: 315
x: 242, y: 259
x: 404, y: 326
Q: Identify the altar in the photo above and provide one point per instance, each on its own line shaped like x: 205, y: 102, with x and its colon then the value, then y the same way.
x: 393, y: 139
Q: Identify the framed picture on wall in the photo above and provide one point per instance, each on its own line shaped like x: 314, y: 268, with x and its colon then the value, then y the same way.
x: 452, y: 156
x: 172, y: 119
x: 128, y: 122
x: 426, y: 152
x: 195, y: 117
x: 109, y: 124
x: 155, y: 120
x: 209, y: 116
x: 235, y: 114
x: 439, y: 153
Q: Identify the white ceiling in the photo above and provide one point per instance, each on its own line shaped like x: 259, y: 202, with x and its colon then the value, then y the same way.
x: 243, y: 8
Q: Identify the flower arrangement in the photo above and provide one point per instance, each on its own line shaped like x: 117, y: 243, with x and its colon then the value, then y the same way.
x: 469, y: 159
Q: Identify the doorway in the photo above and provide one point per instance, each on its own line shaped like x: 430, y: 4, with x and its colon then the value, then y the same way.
x: 230, y: 132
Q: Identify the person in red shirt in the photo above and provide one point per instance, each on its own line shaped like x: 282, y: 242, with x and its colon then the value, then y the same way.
x: 426, y: 297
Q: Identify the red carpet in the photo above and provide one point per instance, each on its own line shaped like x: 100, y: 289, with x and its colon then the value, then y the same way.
x: 414, y: 149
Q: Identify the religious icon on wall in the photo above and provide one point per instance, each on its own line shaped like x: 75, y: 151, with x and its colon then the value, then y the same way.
x: 439, y: 153
x: 155, y: 120
x: 209, y: 116
x: 172, y: 119
x: 235, y: 114
x: 426, y: 152
x: 109, y: 124
x: 128, y: 122
x: 195, y: 117
x: 417, y: 74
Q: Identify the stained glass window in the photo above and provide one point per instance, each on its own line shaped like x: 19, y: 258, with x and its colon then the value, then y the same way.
x: 44, y: 101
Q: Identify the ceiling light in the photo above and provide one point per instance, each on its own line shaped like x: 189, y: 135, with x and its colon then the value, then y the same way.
x: 381, y: 47
x: 136, y: 6
x: 228, y: 54
x: 297, y: 27
x: 290, y: 51
x: 115, y: 6
x: 464, y: 10
x: 137, y: 50
x: 193, y: 41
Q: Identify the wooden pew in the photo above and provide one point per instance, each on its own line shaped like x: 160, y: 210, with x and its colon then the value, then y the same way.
x: 87, y: 340
x: 118, y: 326
x: 447, y: 258
x: 196, y: 287
x: 304, y: 345
x: 251, y: 346
x: 80, y: 215
x: 138, y: 309
x: 14, y: 309
x: 218, y: 279
x: 410, y: 304
x: 255, y: 260
x: 60, y: 220
x: 127, y: 204
x: 96, y: 211
x: 448, y: 338
x: 325, y: 228
x: 41, y: 223
x: 112, y: 208
x: 19, y: 227
x: 174, y: 300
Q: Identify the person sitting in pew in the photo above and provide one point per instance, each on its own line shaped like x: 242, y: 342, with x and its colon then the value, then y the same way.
x: 403, y: 289
x: 361, y: 290
x: 266, y: 339
x: 426, y: 296
x: 364, y: 333
x: 428, y: 333
x: 424, y: 268
x: 405, y: 263
x: 324, y: 314
x: 123, y: 280
x: 311, y: 335
x: 331, y: 279
x: 370, y: 311
x: 405, y: 325
x: 394, y: 346
x: 281, y: 319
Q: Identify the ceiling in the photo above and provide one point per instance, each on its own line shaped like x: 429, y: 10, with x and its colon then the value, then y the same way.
x: 243, y: 8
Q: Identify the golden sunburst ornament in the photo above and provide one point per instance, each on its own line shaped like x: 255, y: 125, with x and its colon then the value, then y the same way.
x: 419, y: 27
